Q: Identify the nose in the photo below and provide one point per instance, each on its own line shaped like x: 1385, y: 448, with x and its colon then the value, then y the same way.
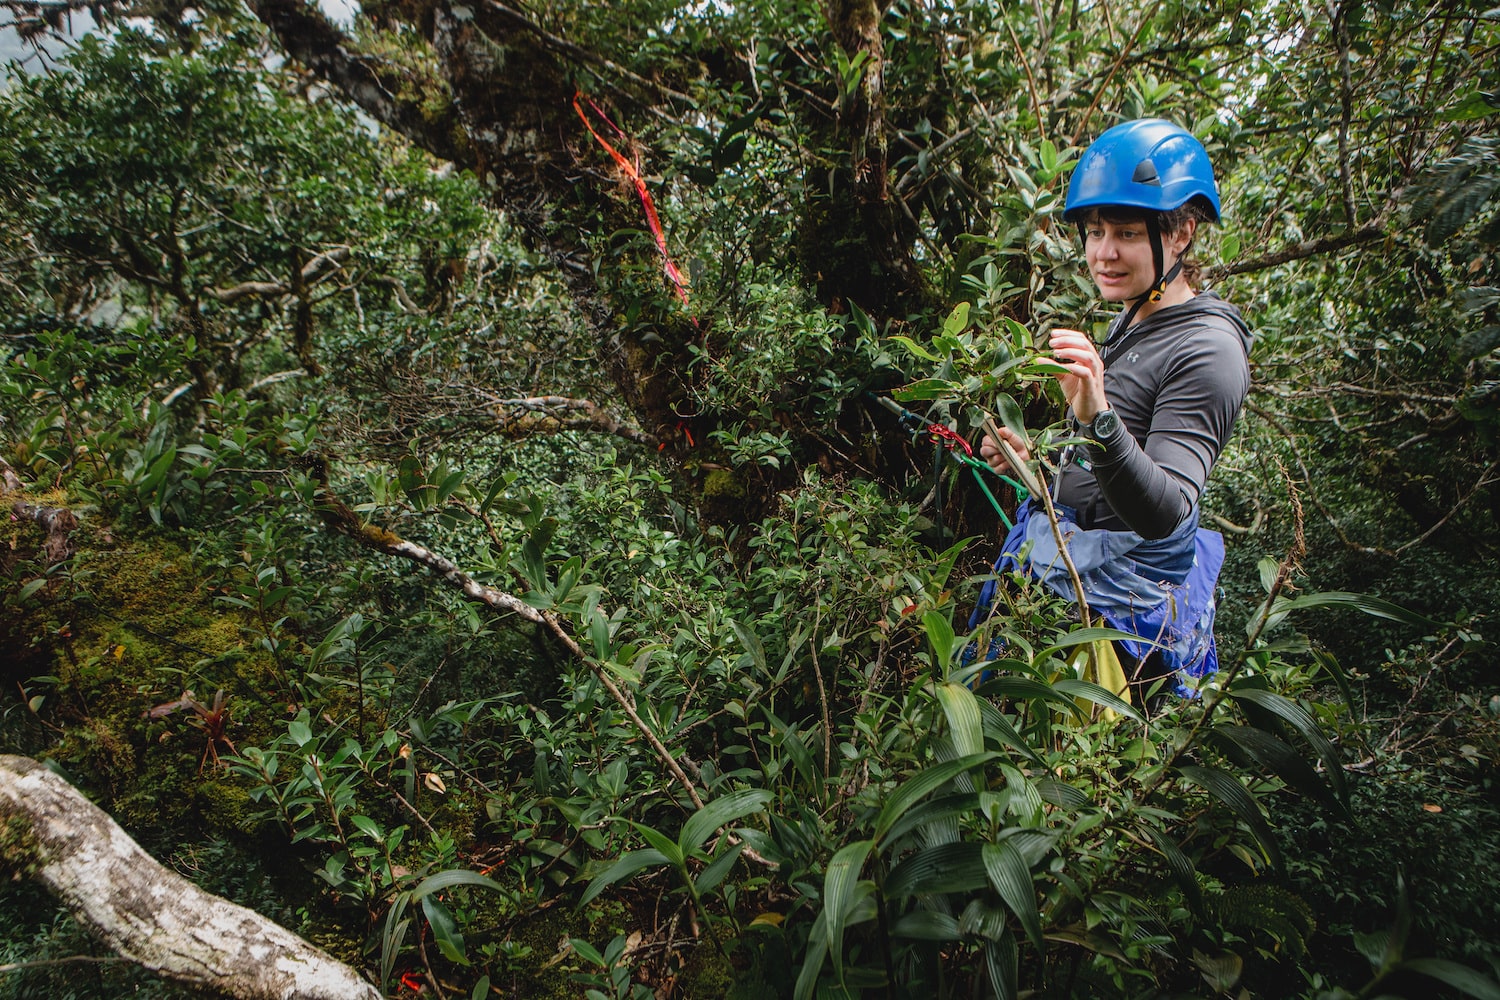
x: 1105, y: 247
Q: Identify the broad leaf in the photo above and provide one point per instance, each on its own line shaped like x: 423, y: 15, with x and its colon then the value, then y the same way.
x: 1011, y: 878
x: 840, y: 894
x: 629, y: 863
x: 922, y: 784
x: 1227, y: 789
x: 719, y: 812
x: 961, y: 709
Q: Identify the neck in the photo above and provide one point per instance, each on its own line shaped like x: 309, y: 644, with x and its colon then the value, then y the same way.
x: 1178, y: 292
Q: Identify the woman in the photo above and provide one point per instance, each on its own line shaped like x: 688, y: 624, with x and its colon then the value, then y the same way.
x: 1155, y: 404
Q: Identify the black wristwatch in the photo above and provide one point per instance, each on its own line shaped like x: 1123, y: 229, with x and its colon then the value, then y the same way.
x: 1103, y: 427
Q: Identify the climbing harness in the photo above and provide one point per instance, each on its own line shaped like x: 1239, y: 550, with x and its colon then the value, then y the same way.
x: 949, y: 441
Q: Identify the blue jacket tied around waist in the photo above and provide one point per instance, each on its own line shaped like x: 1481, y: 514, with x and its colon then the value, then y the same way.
x: 1161, y: 591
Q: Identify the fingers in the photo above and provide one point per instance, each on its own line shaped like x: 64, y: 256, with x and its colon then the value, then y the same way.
x: 1084, y: 384
x: 1077, y: 352
x: 992, y: 453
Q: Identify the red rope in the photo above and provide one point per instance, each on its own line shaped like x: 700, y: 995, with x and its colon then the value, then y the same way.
x: 679, y: 284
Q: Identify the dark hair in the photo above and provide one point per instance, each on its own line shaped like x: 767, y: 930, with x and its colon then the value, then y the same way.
x: 1167, y: 222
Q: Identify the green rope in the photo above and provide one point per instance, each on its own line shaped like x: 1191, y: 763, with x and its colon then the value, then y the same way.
x: 975, y: 465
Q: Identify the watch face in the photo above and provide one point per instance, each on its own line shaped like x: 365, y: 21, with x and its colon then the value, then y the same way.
x: 1105, y: 423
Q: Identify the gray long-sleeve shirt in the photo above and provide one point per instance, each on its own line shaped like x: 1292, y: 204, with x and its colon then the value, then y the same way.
x: 1177, y: 388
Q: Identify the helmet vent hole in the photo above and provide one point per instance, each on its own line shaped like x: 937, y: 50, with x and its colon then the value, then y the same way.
x: 1145, y: 173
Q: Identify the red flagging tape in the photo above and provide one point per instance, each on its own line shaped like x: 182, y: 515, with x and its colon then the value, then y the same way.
x: 679, y: 284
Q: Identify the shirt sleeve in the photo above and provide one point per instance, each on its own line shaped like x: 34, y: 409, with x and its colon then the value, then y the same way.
x: 1152, y: 486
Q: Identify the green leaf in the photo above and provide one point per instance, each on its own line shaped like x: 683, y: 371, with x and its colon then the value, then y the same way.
x: 1084, y: 636
x: 1460, y: 977
x: 915, y: 348
x: 445, y: 931
x: 1475, y: 104
x: 922, y: 784
x: 751, y: 642
x: 1061, y: 794
x: 1268, y: 568
x: 1244, y: 744
x: 933, y: 813
x: 812, y: 962
x: 668, y: 847
x: 1299, y: 719
x: 719, y: 812
x: 1228, y: 790
x: 1002, y: 963
x: 957, y: 321
x: 1089, y: 691
x: 840, y: 883
x: 158, y: 472
x: 1372, y: 606
x: 1229, y: 247
x: 997, y: 726
x: 1011, y: 878
x: 1026, y: 689
x: 957, y: 867
x: 961, y: 709
x: 1010, y: 415
x: 629, y: 863
x: 926, y: 925
x: 1183, y: 872
x: 368, y: 827
x: 924, y: 389
x: 299, y: 731
x: 941, y: 636
x: 708, y: 880
x: 452, y: 877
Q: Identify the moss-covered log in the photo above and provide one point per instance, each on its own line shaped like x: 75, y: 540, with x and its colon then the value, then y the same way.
x: 145, y: 912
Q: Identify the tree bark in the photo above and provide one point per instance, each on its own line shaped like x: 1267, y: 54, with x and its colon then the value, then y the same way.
x: 146, y: 913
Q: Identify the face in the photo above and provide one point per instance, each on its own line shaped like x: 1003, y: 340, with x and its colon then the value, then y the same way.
x: 1119, y: 256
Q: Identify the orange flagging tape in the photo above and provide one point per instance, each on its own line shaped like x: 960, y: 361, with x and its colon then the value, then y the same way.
x: 679, y: 285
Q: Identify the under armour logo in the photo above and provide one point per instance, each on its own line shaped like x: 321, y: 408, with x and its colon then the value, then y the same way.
x: 1133, y: 357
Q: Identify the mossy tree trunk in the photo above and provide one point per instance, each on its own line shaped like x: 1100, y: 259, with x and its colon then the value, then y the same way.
x: 146, y: 913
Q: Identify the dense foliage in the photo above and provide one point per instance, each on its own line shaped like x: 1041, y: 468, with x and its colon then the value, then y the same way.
x: 506, y: 616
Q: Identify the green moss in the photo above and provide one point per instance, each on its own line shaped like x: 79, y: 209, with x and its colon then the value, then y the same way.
x: 18, y: 847
x: 723, y: 486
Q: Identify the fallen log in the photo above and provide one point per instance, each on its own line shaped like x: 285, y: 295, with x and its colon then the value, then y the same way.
x: 146, y: 913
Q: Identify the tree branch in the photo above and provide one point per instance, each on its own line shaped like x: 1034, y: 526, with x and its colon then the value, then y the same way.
x: 343, y: 520
x: 148, y: 914
x: 540, y: 413
x: 312, y: 40
x: 1369, y: 233
x: 311, y: 271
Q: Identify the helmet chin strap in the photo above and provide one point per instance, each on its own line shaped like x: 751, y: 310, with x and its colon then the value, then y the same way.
x: 1159, y: 286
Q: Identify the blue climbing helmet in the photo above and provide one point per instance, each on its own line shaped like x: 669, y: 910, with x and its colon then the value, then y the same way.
x: 1147, y: 164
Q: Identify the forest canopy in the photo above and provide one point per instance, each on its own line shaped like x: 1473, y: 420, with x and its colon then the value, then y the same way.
x: 454, y: 514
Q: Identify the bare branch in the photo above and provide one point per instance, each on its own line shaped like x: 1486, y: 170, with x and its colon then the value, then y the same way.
x: 343, y: 520
x: 580, y: 53
x: 539, y: 414
x: 311, y: 271
x: 150, y: 915
x: 1369, y: 233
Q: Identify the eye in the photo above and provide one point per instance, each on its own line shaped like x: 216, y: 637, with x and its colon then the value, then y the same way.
x: 1094, y: 233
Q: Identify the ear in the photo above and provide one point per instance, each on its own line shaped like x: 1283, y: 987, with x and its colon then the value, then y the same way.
x: 1177, y: 241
